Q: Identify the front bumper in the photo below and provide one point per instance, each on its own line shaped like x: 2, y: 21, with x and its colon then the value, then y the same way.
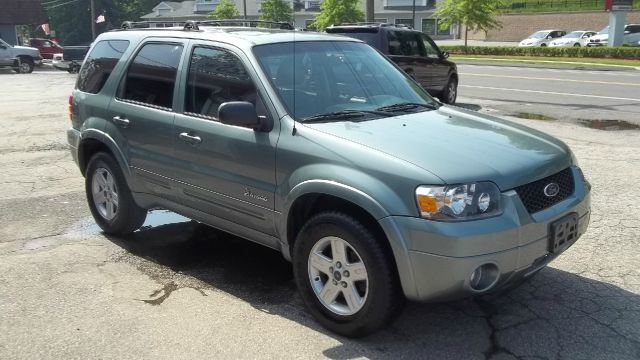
x: 436, y: 259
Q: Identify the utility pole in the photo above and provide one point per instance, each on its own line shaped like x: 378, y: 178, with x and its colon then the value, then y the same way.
x: 370, y: 11
x: 244, y: 7
x: 93, y: 19
x: 413, y: 15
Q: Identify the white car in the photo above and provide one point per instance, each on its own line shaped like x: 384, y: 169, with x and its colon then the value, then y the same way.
x: 542, y: 38
x: 631, y: 36
x: 574, y: 38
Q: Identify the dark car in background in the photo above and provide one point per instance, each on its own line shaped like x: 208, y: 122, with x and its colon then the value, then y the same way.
x: 413, y: 51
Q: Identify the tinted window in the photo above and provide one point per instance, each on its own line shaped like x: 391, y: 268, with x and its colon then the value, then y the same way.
x: 404, y: 43
x: 152, y: 75
x: 217, y: 76
x: 430, y: 47
x: 634, y: 29
x: 368, y: 37
x: 99, y: 64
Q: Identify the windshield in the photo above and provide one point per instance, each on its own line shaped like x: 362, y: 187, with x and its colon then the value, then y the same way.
x: 574, y: 35
x: 604, y: 31
x: 324, y: 77
x: 539, y: 35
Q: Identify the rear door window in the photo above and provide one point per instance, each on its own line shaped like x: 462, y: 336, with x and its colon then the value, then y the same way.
x: 151, y: 77
x: 99, y: 64
x: 404, y: 43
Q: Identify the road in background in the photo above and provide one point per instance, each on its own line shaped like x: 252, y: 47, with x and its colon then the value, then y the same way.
x: 566, y: 95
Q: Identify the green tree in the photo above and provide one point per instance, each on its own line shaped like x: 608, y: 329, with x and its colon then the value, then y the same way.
x: 225, y: 10
x: 334, y: 12
x: 473, y: 14
x: 276, y: 10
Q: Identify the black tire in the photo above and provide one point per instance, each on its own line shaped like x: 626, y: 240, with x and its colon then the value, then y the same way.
x: 543, y: 45
x: 576, y: 45
x: 129, y: 217
x: 25, y: 66
x: 450, y: 92
x: 384, y: 298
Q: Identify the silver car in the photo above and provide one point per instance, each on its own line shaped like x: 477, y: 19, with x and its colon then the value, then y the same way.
x: 574, y: 38
x: 542, y: 37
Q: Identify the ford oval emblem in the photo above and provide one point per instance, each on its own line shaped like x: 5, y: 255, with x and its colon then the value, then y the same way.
x: 551, y: 190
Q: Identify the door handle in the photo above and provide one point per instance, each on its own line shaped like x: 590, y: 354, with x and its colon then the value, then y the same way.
x: 124, y: 122
x: 191, y: 139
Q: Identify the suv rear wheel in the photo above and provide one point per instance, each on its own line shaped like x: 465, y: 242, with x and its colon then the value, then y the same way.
x: 345, y: 275
x: 109, y: 197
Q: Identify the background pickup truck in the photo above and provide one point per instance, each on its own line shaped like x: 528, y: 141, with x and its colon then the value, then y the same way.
x: 20, y: 58
x: 71, y: 59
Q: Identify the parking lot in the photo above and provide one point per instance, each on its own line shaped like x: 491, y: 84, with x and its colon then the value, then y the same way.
x: 178, y: 289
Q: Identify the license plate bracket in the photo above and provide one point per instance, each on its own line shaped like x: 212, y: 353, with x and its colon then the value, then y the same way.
x: 563, y: 233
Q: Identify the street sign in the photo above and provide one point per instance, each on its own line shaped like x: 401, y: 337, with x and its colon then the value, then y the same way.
x: 618, y: 5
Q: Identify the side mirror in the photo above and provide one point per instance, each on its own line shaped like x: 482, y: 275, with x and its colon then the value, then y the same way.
x: 2, y: 46
x: 445, y: 54
x: 627, y: 32
x: 241, y: 113
x: 549, y: 37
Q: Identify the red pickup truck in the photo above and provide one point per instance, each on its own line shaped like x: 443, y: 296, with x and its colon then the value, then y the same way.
x: 47, y: 47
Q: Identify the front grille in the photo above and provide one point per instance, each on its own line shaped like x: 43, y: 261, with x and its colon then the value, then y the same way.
x: 534, y: 198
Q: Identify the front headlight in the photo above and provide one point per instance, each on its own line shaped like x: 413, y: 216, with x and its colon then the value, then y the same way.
x: 459, y: 202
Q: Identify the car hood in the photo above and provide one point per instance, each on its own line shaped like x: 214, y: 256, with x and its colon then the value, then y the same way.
x: 599, y: 37
x: 460, y: 146
x: 25, y: 48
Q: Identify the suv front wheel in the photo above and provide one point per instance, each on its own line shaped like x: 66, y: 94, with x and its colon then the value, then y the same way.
x: 109, y: 197
x: 345, y: 275
x: 450, y: 92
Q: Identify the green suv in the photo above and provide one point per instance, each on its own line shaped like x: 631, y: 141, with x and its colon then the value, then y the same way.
x: 319, y: 147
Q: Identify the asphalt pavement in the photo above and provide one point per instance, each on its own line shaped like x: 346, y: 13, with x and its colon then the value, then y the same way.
x: 564, y: 95
x: 177, y: 289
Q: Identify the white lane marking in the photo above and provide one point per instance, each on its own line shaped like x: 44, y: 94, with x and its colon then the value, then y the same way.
x: 548, y: 92
x: 551, y: 79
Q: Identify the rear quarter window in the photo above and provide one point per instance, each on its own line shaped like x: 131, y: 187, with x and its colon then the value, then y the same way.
x: 99, y: 64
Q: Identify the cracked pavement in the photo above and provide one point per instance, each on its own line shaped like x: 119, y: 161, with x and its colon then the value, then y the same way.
x: 178, y: 289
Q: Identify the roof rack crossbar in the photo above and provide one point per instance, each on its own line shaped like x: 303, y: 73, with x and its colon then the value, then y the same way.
x: 378, y: 24
x: 194, y: 25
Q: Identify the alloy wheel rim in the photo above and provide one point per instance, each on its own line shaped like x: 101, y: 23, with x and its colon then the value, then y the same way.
x: 24, y: 67
x: 338, y: 276
x: 105, y: 193
x: 452, y: 92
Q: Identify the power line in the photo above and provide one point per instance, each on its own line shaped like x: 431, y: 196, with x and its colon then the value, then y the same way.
x: 63, y: 4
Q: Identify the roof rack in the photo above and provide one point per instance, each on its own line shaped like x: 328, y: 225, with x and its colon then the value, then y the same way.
x: 376, y: 24
x: 194, y: 25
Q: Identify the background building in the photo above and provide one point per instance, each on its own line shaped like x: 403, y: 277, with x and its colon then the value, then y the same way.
x: 14, y: 13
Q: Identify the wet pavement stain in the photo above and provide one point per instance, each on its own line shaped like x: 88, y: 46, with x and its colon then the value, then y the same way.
x: 180, y: 253
x: 609, y: 125
x: 533, y: 116
x: 605, y: 125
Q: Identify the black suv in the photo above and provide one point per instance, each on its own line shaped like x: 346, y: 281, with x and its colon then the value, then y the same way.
x: 413, y: 51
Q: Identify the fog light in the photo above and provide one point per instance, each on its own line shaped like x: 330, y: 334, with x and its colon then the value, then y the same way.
x: 484, y: 277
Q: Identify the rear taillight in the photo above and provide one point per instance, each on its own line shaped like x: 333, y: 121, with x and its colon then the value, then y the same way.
x: 71, y: 107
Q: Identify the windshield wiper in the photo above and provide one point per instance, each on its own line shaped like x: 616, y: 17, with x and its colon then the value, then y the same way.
x: 344, y: 115
x: 406, y: 107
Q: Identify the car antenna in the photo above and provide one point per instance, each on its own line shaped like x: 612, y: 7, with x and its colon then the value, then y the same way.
x: 294, y: 131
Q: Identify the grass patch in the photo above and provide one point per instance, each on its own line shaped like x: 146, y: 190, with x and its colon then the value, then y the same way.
x: 546, y: 60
